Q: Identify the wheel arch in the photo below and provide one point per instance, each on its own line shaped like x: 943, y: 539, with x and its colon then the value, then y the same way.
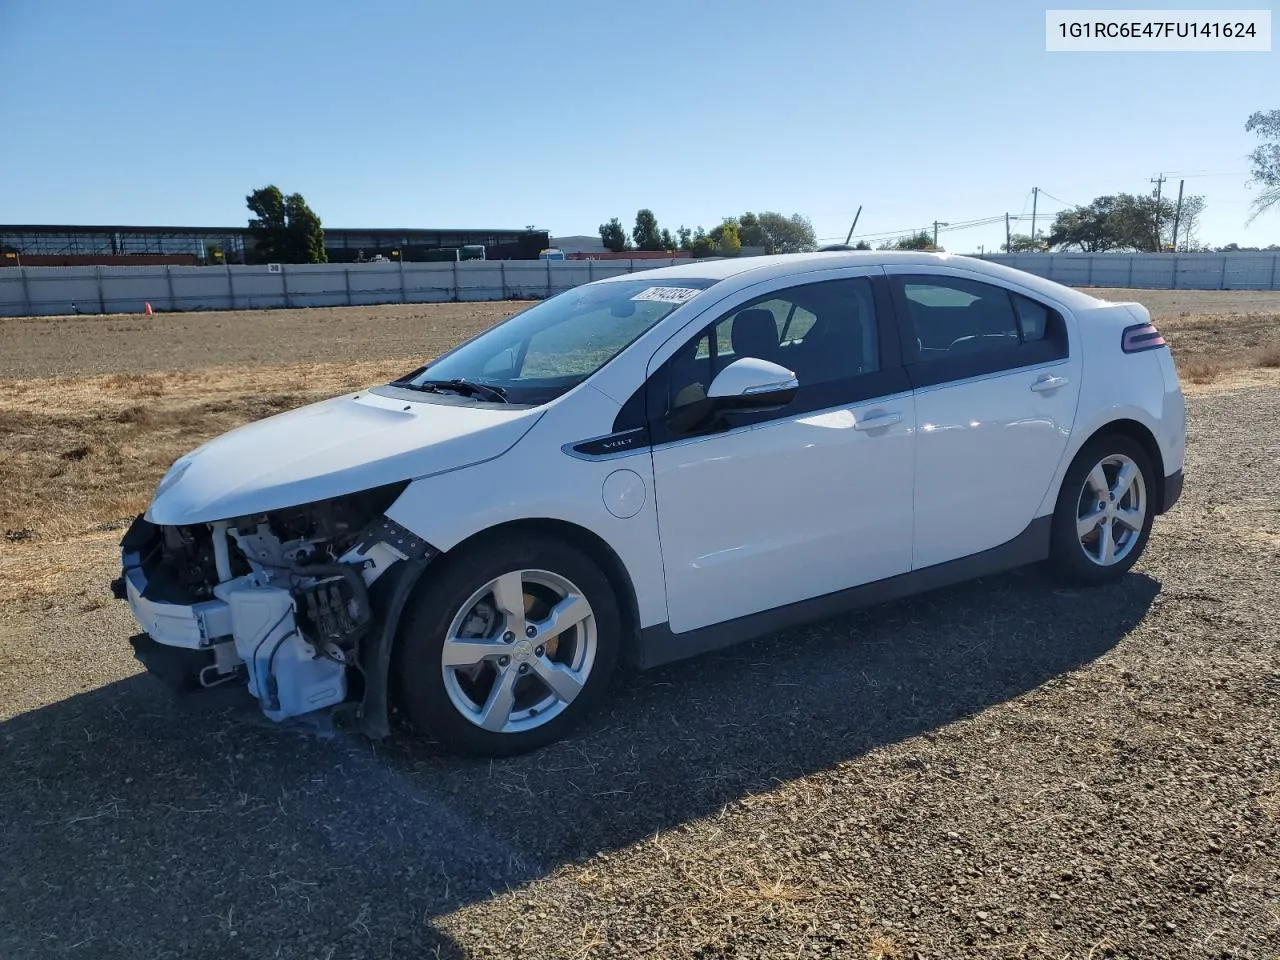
x: 1142, y: 435
x: 585, y: 540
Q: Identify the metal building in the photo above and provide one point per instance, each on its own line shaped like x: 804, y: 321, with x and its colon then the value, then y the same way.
x: 37, y: 245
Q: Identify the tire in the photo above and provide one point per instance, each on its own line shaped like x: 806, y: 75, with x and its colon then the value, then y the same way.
x: 1078, y: 551
x: 461, y: 606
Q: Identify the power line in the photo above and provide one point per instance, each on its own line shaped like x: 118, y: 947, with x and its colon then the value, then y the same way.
x: 1046, y: 193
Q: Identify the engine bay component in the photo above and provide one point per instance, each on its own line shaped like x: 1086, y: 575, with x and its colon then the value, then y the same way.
x: 286, y: 673
x: 279, y: 599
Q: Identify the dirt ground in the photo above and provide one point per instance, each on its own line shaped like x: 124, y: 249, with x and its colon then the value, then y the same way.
x: 1002, y: 769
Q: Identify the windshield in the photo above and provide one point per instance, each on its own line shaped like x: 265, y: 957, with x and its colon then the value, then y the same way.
x: 540, y: 353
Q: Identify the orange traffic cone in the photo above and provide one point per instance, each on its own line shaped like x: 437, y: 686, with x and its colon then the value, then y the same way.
x: 147, y: 309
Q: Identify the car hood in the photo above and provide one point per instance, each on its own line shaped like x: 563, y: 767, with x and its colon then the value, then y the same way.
x: 335, y: 447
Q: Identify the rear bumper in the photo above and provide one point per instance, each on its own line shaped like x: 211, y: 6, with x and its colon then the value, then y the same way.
x: 1172, y: 491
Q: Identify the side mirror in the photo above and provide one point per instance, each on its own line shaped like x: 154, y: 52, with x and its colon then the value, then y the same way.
x: 745, y: 385
x: 753, y: 384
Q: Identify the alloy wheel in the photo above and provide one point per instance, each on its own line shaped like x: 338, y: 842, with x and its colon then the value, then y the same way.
x: 1111, y: 510
x: 519, y: 651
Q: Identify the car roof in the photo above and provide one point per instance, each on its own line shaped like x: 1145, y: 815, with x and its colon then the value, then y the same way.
x: 783, y: 265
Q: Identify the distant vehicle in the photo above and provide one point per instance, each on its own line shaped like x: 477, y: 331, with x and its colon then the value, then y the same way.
x: 472, y: 251
x: 648, y: 467
x: 554, y: 253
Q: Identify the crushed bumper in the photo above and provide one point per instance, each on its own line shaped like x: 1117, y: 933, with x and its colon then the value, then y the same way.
x: 247, y: 631
x: 195, y: 626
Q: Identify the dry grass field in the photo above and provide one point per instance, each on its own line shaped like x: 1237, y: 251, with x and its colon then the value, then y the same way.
x: 1002, y: 769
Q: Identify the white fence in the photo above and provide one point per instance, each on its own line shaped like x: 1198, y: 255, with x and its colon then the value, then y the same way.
x: 33, y: 291
x: 29, y: 291
x: 1160, y: 271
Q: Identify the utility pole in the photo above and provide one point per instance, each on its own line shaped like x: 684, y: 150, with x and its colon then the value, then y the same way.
x: 936, y: 225
x: 1035, y: 199
x: 1177, y: 216
x: 1158, y: 180
x: 1008, y: 237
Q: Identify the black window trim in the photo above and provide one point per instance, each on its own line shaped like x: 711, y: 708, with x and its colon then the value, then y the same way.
x: 929, y: 373
x: 646, y: 407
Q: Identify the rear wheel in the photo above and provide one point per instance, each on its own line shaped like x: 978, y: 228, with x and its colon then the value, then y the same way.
x: 1104, y: 512
x: 508, y: 647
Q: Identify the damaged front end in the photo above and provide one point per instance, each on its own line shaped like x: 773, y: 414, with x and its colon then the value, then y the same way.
x: 295, y: 602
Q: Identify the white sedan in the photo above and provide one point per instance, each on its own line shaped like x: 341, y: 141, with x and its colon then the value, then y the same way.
x: 649, y: 467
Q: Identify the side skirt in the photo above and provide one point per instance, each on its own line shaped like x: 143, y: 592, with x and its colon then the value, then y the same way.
x: 658, y: 645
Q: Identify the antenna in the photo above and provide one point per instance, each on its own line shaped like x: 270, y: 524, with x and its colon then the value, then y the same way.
x: 854, y: 224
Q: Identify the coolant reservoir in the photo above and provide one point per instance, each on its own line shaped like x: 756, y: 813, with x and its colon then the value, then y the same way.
x: 284, y: 673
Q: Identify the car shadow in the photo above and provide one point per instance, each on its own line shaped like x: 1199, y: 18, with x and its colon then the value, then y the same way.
x: 140, y: 824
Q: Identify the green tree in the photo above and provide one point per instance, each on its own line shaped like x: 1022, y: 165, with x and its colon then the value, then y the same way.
x: 646, y: 235
x: 793, y: 234
x: 613, y: 236
x: 284, y: 229
x: 1125, y: 221
x: 306, y: 234
x: 727, y: 238
x: 862, y: 245
x: 668, y: 241
x: 922, y: 240
x: 685, y: 238
x: 750, y: 231
x: 1265, y: 160
x: 701, y: 244
x: 1022, y: 243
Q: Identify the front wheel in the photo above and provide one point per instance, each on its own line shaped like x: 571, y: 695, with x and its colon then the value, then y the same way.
x: 508, y: 647
x: 1104, y: 512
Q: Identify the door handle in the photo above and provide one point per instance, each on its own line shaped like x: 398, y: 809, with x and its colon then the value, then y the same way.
x: 878, y: 421
x: 1049, y: 382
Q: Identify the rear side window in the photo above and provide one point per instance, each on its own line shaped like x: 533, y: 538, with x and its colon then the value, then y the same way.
x: 954, y: 316
x: 957, y: 328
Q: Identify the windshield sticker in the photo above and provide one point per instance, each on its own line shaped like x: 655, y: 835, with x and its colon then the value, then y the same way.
x: 667, y: 294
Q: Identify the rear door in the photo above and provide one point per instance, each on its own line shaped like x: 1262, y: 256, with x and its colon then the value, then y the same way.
x: 996, y: 384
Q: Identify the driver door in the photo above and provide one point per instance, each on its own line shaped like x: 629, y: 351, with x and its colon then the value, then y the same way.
x: 761, y: 509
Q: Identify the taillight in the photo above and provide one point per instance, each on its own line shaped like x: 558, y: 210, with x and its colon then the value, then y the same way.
x: 1141, y: 336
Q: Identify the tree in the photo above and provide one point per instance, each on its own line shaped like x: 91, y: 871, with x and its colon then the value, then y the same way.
x: 793, y: 234
x: 727, y: 238
x: 862, y: 245
x: 668, y: 242
x: 775, y: 233
x: 284, y: 229
x: 1021, y: 243
x: 922, y: 240
x: 1126, y: 221
x: 613, y: 236
x: 1265, y: 160
x: 646, y: 235
x: 1188, y: 224
x: 685, y: 237
x: 701, y: 245
x: 305, y: 232
x: 750, y: 231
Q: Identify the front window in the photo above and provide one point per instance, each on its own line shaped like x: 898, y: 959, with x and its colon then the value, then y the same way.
x: 544, y: 351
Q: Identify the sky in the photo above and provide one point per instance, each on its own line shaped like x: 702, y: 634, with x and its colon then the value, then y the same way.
x: 505, y: 114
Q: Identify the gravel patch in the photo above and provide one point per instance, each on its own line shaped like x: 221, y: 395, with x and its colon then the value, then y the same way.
x: 1002, y: 769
